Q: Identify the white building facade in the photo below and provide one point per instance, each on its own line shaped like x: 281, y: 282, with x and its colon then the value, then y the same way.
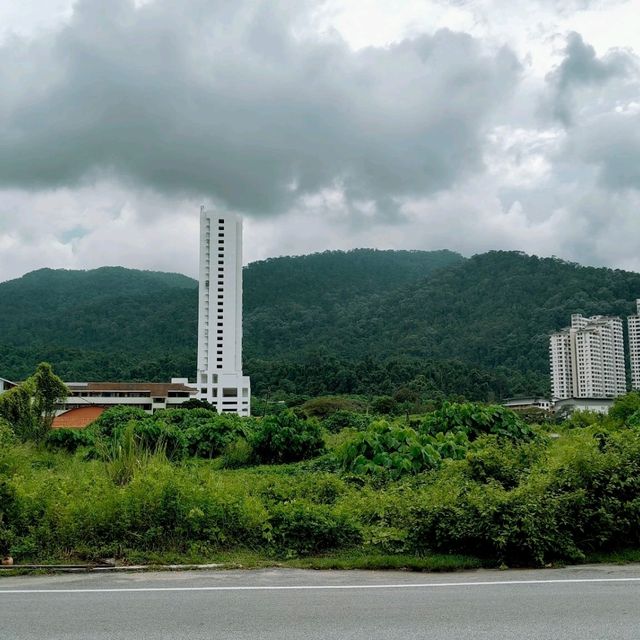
x: 561, y: 364
x: 587, y: 359
x: 219, y: 379
x: 633, y: 323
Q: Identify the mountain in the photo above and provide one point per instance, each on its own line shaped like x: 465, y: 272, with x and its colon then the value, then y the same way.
x: 361, y: 321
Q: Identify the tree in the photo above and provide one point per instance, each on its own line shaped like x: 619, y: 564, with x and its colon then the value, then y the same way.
x: 47, y: 391
x: 16, y: 408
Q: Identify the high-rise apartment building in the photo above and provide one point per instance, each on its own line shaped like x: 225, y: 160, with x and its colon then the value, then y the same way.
x: 634, y: 346
x: 587, y: 359
x: 220, y: 380
x: 561, y: 364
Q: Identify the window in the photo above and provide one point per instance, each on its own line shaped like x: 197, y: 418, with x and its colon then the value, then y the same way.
x: 230, y: 392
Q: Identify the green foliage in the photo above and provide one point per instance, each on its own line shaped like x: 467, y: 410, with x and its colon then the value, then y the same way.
x: 16, y: 409
x: 328, y: 405
x: 180, y: 432
x: 69, y: 440
x: 302, y: 528
x: 625, y: 406
x: 286, y: 438
x: 475, y: 419
x: 396, y: 451
x: 431, y: 322
x: 7, y: 435
x: 237, y: 453
x: 488, y: 486
x: 48, y: 391
x: 127, y: 452
x: 114, y: 420
x: 384, y: 405
x: 346, y: 420
x: 492, y: 459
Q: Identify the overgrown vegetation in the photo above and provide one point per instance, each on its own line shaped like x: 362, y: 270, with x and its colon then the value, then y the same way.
x: 462, y: 481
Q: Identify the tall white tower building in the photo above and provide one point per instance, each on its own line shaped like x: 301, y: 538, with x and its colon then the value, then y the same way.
x: 220, y: 380
x: 587, y: 359
x: 634, y: 347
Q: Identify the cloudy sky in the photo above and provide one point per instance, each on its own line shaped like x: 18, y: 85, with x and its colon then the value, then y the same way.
x: 424, y: 124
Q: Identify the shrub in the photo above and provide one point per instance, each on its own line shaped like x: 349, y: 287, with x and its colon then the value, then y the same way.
x: 16, y: 409
x: 286, y: 438
x: 345, y: 419
x: 236, y: 454
x: 328, y: 405
x: 506, y: 462
x: 69, y: 439
x: 209, y: 437
x: 7, y: 436
x: 393, y: 450
x: 475, y: 419
x: 115, y: 419
x: 384, y: 405
x: 301, y: 527
x: 625, y: 406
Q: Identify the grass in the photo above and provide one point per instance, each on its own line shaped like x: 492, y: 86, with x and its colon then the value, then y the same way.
x: 623, y: 556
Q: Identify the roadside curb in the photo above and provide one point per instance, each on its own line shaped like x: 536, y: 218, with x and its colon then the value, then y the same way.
x: 107, y: 568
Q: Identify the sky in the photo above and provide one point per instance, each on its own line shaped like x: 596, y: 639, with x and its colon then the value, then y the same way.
x: 467, y: 125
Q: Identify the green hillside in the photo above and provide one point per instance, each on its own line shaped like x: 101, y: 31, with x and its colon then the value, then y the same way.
x: 362, y: 321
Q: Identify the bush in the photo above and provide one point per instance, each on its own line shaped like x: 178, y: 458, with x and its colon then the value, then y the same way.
x: 475, y: 419
x: 115, y: 419
x: 286, y: 438
x: 328, y: 405
x: 395, y: 451
x: 236, y: 454
x: 7, y: 436
x: 302, y: 528
x: 493, y: 460
x: 345, y: 420
x: 69, y: 439
x: 624, y: 407
x: 211, y: 436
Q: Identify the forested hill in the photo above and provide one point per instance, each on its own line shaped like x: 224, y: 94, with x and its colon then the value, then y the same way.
x: 361, y: 321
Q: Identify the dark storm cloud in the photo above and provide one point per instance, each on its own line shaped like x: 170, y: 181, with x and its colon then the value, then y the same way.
x: 582, y: 69
x: 232, y: 101
x: 596, y: 98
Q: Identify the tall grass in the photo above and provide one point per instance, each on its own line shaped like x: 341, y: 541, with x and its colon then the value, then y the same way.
x: 125, y: 453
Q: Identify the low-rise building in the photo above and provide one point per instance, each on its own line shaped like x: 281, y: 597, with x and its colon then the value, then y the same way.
x: 5, y: 385
x: 520, y: 404
x: 148, y: 396
x: 597, y: 405
x: 87, y: 400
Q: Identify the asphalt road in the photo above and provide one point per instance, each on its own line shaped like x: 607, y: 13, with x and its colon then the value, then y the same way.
x: 585, y: 603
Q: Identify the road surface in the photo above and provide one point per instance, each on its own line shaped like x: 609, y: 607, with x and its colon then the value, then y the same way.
x: 584, y: 603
